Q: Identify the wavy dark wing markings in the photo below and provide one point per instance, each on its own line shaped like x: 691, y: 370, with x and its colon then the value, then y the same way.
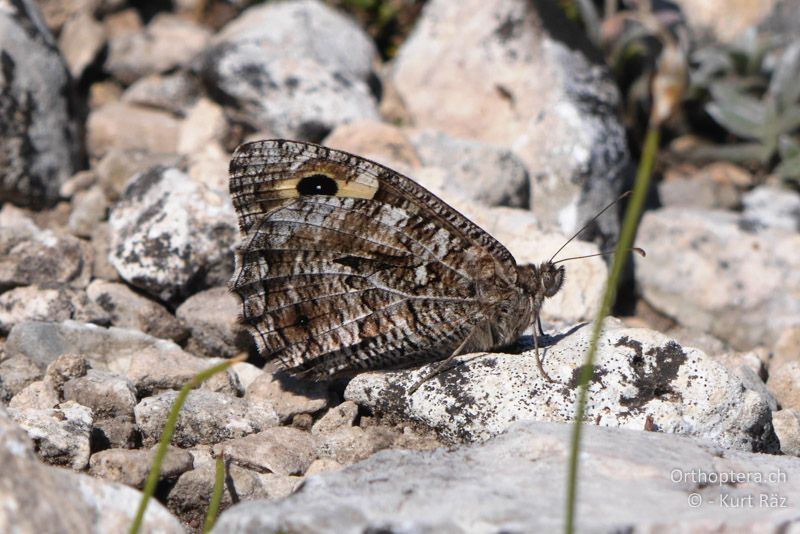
x: 335, y: 284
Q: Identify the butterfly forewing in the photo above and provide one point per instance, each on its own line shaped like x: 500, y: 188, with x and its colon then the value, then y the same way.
x: 346, y: 265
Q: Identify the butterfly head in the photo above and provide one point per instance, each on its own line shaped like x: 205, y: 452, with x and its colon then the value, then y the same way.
x: 542, y: 281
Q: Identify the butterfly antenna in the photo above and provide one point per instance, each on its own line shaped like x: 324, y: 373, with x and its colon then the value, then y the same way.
x: 639, y: 251
x: 585, y: 226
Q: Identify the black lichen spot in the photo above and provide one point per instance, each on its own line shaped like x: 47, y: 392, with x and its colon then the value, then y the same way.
x: 317, y: 184
x: 653, y: 382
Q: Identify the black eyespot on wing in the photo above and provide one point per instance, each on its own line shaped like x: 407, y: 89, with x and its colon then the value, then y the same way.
x: 302, y: 320
x: 317, y: 184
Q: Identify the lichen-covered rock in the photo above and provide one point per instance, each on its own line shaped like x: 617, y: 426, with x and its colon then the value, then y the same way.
x: 642, y: 380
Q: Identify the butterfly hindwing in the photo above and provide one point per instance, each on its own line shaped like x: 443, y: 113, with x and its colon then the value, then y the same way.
x: 347, y: 265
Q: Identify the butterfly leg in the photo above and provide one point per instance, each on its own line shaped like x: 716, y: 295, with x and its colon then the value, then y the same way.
x: 538, y: 358
x: 441, y: 365
x: 539, y: 324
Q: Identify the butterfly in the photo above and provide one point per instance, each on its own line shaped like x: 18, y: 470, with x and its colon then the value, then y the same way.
x: 346, y: 265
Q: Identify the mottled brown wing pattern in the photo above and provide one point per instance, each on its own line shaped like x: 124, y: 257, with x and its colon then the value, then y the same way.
x: 347, y: 265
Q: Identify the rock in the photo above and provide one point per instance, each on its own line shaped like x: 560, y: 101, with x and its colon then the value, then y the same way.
x: 786, y: 348
x: 341, y: 416
x: 698, y: 191
x: 710, y: 21
x: 206, y: 418
x: 514, y: 75
x: 787, y: 428
x: 486, y: 173
x: 642, y: 379
x: 118, y: 166
x: 323, y: 465
x: 101, y: 243
x: 127, y: 127
x: 727, y: 278
x: 65, y: 368
x: 691, y: 337
x: 296, y: 69
x: 88, y: 209
x: 61, y: 434
x: 42, y: 498
x: 32, y: 303
x: 784, y: 382
x: 281, y: 450
x: 32, y: 256
x: 190, y: 496
x: 772, y: 207
x: 131, y: 467
x: 110, y: 349
x: 167, y: 42
x: 39, y: 139
x: 81, y: 41
x: 16, y: 373
x: 204, y: 124
x: 107, y: 395
x: 383, y: 143
x: 155, y: 369
x: 175, y: 92
x: 288, y: 395
x: 246, y: 373
x: 486, y: 488
x: 115, y: 433
x: 348, y: 445
x: 170, y: 235
x: 212, y: 316
x: 128, y: 309
x: 39, y: 395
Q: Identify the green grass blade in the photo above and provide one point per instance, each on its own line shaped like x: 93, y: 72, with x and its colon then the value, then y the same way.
x: 166, y: 437
x: 216, y: 497
x: 625, y: 242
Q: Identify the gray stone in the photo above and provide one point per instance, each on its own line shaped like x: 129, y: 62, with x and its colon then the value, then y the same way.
x: 106, y: 394
x: 155, y: 370
x: 167, y: 42
x: 502, y: 73
x: 122, y: 126
x: 296, y: 69
x: 118, y: 166
x: 101, y: 243
x: 39, y: 395
x: 131, y: 467
x: 88, y: 209
x: 33, y: 303
x: 114, y: 433
x: 786, y: 348
x: 641, y: 379
x: 212, y: 316
x: 111, y: 349
x: 65, y: 368
x: 39, y: 141
x: 206, y: 418
x: 712, y: 271
x: 190, y: 496
x: 787, y: 428
x: 81, y: 40
x: 170, y: 92
x: 488, y: 488
x: 41, y: 498
x: 288, y: 395
x: 31, y: 256
x: 170, y: 234
x: 772, y: 207
x: 341, y: 416
x: 784, y: 382
x: 128, y: 309
x: 483, y: 172
x: 281, y: 450
x: 698, y: 192
x: 61, y: 434
x: 323, y: 465
x: 16, y: 373
x: 348, y: 445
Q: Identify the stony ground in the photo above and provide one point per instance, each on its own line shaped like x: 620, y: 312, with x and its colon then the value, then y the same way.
x: 116, y: 245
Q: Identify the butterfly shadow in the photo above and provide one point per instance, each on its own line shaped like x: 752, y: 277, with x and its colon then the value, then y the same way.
x: 525, y: 343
